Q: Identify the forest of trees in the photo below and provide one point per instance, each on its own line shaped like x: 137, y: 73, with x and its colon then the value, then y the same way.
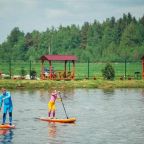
x: 111, y: 40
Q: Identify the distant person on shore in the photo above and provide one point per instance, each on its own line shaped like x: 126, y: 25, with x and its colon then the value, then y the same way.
x: 6, y: 101
x: 51, y: 103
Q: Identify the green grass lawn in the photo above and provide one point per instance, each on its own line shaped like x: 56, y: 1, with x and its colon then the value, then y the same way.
x: 81, y: 68
x: 65, y: 85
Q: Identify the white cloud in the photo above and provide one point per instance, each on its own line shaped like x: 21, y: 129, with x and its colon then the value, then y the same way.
x: 16, y: 9
x: 56, y: 13
x: 40, y: 14
x: 137, y: 11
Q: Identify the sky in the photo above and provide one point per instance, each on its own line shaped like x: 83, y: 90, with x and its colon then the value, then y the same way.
x: 39, y: 15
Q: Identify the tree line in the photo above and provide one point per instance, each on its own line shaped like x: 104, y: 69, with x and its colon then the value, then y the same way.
x: 111, y: 40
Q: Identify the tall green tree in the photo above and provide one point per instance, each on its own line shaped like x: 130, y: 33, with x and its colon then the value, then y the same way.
x: 109, y: 40
x: 84, y: 34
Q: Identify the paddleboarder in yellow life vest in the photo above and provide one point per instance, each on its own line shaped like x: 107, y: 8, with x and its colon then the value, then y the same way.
x: 51, y: 103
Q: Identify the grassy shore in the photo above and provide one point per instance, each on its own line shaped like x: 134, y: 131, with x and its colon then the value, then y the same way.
x: 49, y: 84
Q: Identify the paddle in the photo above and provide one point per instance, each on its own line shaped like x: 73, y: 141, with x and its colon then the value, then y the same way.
x: 63, y: 105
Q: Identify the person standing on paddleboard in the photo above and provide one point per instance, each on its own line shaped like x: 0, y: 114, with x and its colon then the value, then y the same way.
x: 51, y: 104
x: 5, y: 99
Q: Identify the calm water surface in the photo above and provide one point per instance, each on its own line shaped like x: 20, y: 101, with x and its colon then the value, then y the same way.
x: 103, y: 117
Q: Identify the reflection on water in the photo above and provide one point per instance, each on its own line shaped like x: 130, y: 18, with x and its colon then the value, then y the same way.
x: 114, y: 116
x: 108, y: 91
x: 52, y: 130
x: 143, y: 92
x: 6, y: 136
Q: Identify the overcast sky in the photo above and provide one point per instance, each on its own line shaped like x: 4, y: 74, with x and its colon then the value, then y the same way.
x: 39, y: 15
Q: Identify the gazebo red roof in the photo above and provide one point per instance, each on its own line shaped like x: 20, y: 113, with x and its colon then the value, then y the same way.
x: 58, y: 57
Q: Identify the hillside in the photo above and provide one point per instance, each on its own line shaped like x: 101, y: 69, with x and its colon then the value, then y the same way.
x: 111, y: 40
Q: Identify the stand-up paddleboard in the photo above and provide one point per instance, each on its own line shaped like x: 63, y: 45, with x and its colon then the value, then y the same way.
x: 7, y: 126
x: 69, y: 120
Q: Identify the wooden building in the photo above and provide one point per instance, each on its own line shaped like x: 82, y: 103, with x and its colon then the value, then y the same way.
x: 58, y: 74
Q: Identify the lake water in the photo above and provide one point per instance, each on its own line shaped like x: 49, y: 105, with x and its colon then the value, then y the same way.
x: 103, y: 117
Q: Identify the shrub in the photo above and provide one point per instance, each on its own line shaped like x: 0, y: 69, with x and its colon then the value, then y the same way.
x: 33, y: 74
x: 108, y: 72
x: 22, y: 72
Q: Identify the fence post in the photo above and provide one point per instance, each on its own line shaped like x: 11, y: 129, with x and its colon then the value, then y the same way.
x: 125, y: 68
x: 10, y: 68
x: 88, y: 68
x: 30, y: 70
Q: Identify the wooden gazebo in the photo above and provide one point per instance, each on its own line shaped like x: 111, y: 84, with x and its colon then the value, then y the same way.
x: 142, y: 67
x: 60, y: 75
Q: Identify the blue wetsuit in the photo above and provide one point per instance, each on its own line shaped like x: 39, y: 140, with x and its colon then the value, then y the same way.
x: 6, y: 100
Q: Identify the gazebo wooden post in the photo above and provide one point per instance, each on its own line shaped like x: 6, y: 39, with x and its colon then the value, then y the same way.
x: 50, y: 69
x: 73, y: 70
x: 143, y: 67
x: 42, y: 70
x: 65, y: 69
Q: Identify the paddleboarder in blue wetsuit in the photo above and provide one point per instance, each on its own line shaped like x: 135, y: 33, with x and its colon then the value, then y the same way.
x: 6, y: 101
